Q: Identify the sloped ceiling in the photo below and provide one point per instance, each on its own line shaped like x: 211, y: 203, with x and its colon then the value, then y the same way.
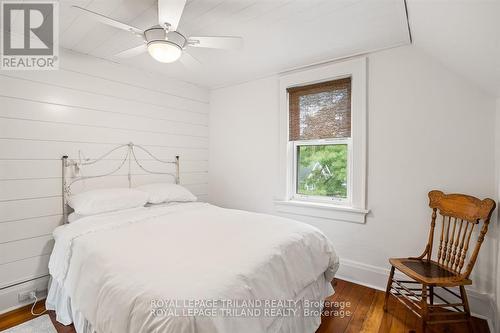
x: 278, y: 34
x: 463, y: 34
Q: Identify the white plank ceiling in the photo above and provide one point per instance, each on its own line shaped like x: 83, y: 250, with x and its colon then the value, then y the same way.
x: 278, y: 34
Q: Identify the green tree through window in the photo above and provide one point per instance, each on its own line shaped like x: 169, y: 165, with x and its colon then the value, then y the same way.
x: 322, y: 170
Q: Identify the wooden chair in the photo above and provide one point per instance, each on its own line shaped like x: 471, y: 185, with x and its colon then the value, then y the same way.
x: 459, y: 214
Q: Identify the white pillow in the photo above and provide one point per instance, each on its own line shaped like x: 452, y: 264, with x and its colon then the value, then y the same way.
x: 73, y: 217
x: 107, y: 200
x: 167, y: 192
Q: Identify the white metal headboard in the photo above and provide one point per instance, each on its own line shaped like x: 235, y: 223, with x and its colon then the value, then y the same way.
x: 72, y: 165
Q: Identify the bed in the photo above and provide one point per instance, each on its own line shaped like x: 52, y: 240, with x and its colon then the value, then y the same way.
x: 188, y: 267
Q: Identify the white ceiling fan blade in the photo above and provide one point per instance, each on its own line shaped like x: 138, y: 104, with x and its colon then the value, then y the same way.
x: 135, y: 51
x: 170, y: 12
x: 109, y: 21
x: 227, y: 43
x: 189, y: 61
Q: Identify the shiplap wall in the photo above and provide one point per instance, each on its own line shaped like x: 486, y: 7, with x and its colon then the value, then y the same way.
x: 89, y: 105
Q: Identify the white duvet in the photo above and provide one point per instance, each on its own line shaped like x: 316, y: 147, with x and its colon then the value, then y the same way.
x: 108, y: 270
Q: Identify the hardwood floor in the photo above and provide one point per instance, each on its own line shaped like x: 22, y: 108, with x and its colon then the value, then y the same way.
x: 23, y: 314
x: 356, y: 309
x: 368, y: 316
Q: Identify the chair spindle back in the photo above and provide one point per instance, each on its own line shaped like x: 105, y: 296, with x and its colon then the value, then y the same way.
x: 459, y: 215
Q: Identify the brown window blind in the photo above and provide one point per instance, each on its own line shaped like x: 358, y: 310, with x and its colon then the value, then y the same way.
x: 320, y: 111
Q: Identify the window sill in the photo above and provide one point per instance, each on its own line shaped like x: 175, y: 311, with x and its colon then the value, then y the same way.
x: 322, y: 210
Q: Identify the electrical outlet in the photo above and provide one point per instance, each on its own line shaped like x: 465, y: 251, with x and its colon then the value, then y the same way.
x: 26, y: 296
x: 29, y: 295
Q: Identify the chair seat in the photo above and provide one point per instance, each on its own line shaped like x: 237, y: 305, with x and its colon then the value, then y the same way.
x: 428, y: 272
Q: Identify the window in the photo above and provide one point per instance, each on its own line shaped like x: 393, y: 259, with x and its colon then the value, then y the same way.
x: 320, y: 131
x: 323, y: 142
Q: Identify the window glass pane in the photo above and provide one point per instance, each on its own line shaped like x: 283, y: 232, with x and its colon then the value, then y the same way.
x: 322, y: 170
x: 320, y: 111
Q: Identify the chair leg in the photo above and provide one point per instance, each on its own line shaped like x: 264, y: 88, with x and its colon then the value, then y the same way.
x: 425, y: 309
x: 465, y: 301
x: 431, y: 295
x: 388, y: 289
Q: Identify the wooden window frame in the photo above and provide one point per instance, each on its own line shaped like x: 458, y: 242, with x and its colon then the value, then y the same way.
x: 354, y: 209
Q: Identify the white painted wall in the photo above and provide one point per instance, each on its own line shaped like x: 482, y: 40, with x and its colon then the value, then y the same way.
x: 92, y: 105
x: 496, y: 228
x: 428, y: 128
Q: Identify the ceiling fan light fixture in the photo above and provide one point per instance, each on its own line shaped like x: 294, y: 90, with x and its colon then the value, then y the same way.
x: 163, y: 42
x: 164, y: 51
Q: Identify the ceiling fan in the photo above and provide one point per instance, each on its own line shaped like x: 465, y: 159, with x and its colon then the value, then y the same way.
x: 163, y: 42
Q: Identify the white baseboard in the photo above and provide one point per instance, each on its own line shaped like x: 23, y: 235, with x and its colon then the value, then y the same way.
x: 482, y: 305
x: 8, y: 297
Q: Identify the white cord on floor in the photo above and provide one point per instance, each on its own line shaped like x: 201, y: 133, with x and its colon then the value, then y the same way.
x: 33, y: 307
